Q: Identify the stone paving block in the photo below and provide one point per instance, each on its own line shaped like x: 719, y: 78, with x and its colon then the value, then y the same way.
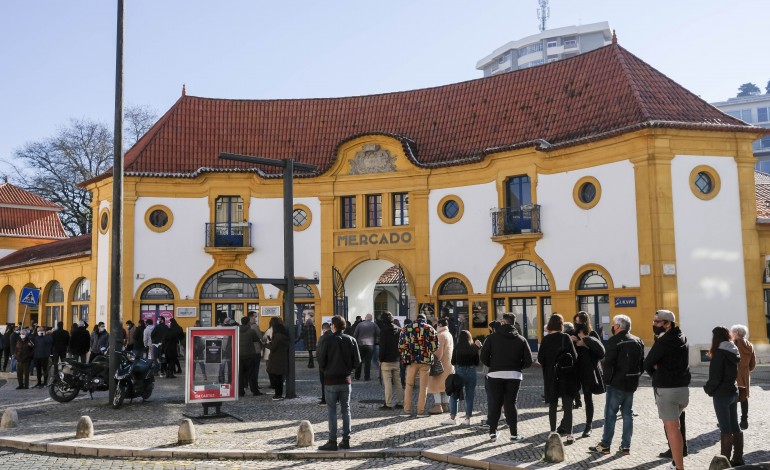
x: 257, y: 454
x: 114, y: 452
x: 12, y: 443
x: 495, y: 464
x: 87, y: 451
x: 437, y: 456
x: 37, y: 447
x: 457, y: 459
x: 153, y: 453
x: 228, y: 454
x: 189, y: 454
x: 59, y: 448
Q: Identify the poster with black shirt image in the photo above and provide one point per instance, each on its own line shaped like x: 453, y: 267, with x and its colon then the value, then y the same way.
x: 212, y: 364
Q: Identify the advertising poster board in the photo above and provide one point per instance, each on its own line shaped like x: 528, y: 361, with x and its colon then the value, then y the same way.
x: 212, y: 365
x: 271, y: 311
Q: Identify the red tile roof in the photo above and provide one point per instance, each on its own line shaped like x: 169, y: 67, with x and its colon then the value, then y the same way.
x: 391, y: 276
x: 762, y: 190
x: 592, y: 96
x: 15, y: 196
x: 30, y: 223
x: 74, y: 247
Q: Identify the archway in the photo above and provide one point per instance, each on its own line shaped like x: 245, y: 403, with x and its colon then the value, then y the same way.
x: 377, y: 286
x: 8, y: 304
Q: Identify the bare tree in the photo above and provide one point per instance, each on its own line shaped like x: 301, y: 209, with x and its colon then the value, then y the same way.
x: 53, y: 167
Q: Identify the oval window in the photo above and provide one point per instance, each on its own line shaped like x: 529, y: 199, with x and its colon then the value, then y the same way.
x: 704, y: 183
x: 451, y: 209
x: 587, y: 192
x: 158, y: 218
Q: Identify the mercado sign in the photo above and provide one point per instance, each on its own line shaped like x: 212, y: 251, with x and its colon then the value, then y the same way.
x: 397, y: 239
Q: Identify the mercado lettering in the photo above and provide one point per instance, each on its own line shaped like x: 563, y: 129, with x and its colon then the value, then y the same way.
x: 365, y: 239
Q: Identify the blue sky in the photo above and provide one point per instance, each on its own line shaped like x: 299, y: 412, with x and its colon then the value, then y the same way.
x: 57, y: 58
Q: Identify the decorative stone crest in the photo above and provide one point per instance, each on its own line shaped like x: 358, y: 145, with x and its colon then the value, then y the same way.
x: 372, y: 159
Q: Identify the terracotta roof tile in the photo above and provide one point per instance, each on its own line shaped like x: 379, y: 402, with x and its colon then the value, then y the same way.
x: 14, y: 195
x: 30, y: 223
x: 762, y: 190
x: 594, y: 95
x: 62, y: 249
x: 390, y: 276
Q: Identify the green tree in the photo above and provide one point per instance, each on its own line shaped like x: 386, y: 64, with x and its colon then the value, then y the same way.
x: 749, y: 89
x: 53, y: 167
x: 767, y: 87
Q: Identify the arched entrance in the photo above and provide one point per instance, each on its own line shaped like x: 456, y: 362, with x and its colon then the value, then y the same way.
x: 8, y: 304
x: 80, y: 300
x: 54, y: 304
x: 157, y: 300
x: 453, y: 296
x: 593, y: 298
x: 376, y: 286
x: 221, y: 300
x: 522, y: 289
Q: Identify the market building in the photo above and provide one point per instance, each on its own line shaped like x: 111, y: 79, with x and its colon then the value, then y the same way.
x: 592, y: 183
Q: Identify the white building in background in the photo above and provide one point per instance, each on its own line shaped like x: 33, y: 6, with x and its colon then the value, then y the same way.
x: 753, y: 110
x: 547, y: 46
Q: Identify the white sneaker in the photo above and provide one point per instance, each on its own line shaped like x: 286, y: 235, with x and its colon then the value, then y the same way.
x: 671, y: 466
x: 449, y: 422
x: 467, y: 421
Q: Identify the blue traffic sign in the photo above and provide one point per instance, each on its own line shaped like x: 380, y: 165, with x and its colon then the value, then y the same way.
x: 30, y: 296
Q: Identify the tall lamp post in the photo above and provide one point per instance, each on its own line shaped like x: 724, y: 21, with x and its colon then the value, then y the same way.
x: 288, y: 282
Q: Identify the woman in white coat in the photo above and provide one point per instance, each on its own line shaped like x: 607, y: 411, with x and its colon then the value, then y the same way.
x: 443, y: 353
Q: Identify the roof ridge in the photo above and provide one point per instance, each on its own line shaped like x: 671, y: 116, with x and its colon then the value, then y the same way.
x: 618, y: 53
x: 151, y: 134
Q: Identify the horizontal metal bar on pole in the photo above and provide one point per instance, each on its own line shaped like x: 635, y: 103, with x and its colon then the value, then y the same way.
x: 265, y: 280
x: 266, y: 161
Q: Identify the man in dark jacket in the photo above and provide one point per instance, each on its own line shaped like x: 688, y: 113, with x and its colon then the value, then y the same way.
x: 247, y: 356
x: 338, y: 357
x: 506, y: 354
x: 669, y: 365
x: 100, y: 342
x: 452, y: 324
x: 390, y: 363
x: 43, y: 345
x: 80, y: 342
x: 623, y: 364
x: 7, y: 351
x: 326, y: 331
x: 157, y: 336
x: 61, y: 341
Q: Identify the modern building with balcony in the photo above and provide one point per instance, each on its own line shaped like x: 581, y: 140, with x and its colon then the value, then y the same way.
x: 547, y: 46
x: 550, y: 189
x: 753, y: 110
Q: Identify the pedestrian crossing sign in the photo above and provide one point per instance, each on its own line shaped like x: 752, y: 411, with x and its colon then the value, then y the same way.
x: 30, y: 296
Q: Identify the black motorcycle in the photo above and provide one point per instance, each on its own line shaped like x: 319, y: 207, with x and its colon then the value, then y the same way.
x: 135, y: 378
x: 72, y: 377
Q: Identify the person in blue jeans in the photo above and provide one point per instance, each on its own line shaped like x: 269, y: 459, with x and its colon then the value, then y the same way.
x: 338, y: 357
x: 722, y: 387
x: 465, y: 358
x: 623, y: 365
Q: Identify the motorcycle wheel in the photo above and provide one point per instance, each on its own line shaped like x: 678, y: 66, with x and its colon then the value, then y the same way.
x: 120, y: 395
x: 61, y: 392
x: 147, y: 391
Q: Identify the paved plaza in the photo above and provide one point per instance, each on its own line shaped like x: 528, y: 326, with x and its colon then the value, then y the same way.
x: 144, y: 435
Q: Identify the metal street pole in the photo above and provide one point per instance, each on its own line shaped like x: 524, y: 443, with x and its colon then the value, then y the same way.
x: 288, y: 267
x: 116, y: 250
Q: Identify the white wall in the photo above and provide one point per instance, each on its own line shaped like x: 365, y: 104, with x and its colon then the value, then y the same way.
x: 11, y: 307
x: 605, y: 234
x: 466, y: 246
x: 266, y: 217
x: 176, y: 254
x: 709, y: 250
x: 103, y: 266
x: 359, y: 286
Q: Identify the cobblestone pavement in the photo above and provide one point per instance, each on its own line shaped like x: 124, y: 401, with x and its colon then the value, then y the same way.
x: 270, y: 426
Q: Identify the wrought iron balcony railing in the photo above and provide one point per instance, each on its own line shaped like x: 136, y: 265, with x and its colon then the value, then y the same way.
x: 228, y: 235
x: 516, y: 220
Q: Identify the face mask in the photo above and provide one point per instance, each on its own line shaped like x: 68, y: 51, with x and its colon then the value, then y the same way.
x: 40, y: 333
x: 658, y: 329
x: 101, y: 330
x: 23, y: 336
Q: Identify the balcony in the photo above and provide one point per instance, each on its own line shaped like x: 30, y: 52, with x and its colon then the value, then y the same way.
x: 228, y: 235
x: 516, y: 220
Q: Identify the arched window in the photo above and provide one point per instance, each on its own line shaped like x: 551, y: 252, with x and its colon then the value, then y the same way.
x: 522, y: 276
x: 216, y: 288
x: 54, y: 305
x: 303, y: 291
x: 157, y: 292
x: 453, y: 286
x: 80, y: 300
x: 55, y: 293
x: 592, y: 280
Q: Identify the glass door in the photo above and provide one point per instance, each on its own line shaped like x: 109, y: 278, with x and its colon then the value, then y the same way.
x: 598, y: 309
x: 232, y: 311
x: 525, y: 310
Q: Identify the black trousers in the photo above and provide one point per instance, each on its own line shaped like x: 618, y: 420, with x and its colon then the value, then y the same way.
x: 247, y: 374
x: 42, y: 370
x: 502, y: 394
x: 278, y: 383
x: 323, y: 389
x: 588, y: 401
x: 567, y: 402
x: 58, y: 357
x: 6, y: 358
x: 366, y: 361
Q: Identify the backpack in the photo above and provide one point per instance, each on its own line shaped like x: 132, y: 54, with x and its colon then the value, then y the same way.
x: 564, y: 364
x: 630, y: 357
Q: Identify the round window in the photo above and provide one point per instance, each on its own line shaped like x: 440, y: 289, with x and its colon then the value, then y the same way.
x: 704, y: 183
x: 104, y: 222
x: 451, y: 209
x: 587, y: 192
x: 301, y: 217
x: 158, y: 218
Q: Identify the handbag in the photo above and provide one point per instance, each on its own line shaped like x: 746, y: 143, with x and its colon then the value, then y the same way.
x: 436, y: 368
x: 598, y: 386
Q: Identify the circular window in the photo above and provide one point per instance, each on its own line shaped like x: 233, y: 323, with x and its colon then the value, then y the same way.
x: 704, y: 182
x: 104, y: 220
x: 450, y: 209
x: 587, y: 192
x: 301, y: 217
x: 158, y: 218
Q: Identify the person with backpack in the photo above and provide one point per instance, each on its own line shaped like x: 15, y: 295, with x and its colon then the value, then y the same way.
x: 623, y: 365
x: 557, y: 356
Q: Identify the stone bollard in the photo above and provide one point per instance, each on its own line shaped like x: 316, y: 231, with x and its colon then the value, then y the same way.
x: 719, y: 462
x: 305, y: 435
x: 554, y: 449
x: 186, y: 433
x: 85, y: 428
x: 10, y: 419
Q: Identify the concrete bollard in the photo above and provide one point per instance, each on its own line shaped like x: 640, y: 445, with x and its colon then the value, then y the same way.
x: 186, y: 433
x: 554, y: 449
x: 719, y: 462
x: 85, y: 428
x: 10, y: 419
x: 305, y: 434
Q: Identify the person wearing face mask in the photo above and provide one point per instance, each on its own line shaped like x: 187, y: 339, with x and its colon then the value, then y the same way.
x: 25, y: 349
x: 668, y: 363
x: 43, y: 349
x: 100, y: 342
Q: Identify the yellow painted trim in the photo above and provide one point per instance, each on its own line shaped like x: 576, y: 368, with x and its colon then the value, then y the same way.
x: 237, y: 265
x: 164, y: 209
x: 573, y: 283
x: 715, y: 181
x: 305, y: 300
x: 579, y: 186
x: 156, y: 280
x: 440, y: 209
x: 308, y: 220
x: 104, y: 230
x: 505, y: 261
x: 444, y: 278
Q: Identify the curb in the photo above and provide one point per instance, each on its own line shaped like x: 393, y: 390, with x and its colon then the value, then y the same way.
x: 76, y: 449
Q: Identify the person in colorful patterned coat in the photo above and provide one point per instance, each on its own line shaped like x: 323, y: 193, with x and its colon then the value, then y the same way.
x: 416, y: 344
